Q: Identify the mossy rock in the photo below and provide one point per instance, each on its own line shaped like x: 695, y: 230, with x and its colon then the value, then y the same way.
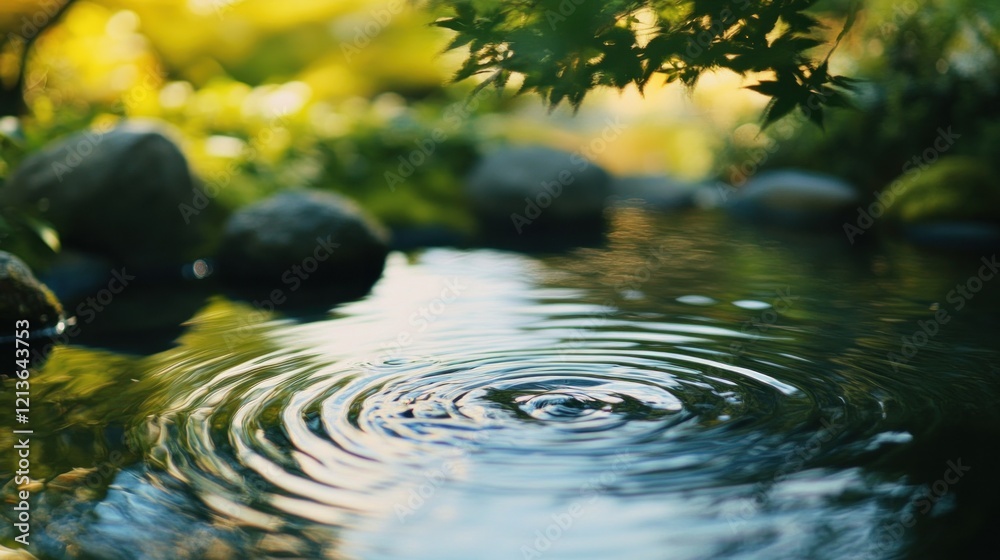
x: 23, y: 297
x: 954, y: 189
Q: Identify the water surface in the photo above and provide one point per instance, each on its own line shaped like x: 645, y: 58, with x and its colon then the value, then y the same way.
x: 691, y: 389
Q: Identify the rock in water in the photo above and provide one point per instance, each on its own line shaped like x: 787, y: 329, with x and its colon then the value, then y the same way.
x: 309, y: 239
x: 114, y: 192
x: 797, y: 199
x: 533, y: 192
x: 22, y: 297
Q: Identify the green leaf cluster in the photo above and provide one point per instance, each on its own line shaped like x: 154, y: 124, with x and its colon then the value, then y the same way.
x: 563, y: 49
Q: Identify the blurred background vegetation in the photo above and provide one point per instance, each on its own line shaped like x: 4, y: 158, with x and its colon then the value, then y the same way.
x: 331, y: 94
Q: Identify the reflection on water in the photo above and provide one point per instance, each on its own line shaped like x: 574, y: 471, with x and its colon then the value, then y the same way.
x: 686, y: 391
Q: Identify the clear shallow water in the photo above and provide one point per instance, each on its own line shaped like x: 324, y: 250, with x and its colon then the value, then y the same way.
x: 690, y: 390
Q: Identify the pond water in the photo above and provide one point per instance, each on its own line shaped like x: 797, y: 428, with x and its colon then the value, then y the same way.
x: 691, y: 389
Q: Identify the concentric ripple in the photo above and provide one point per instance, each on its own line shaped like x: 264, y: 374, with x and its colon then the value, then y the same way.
x: 505, y: 387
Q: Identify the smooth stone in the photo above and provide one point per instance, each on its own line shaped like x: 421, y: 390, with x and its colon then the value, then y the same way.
x: 531, y: 192
x: 307, y: 238
x: 116, y: 192
x: 24, y: 298
x: 793, y: 198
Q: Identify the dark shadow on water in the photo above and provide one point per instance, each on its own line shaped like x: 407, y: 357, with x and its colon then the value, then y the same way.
x: 306, y: 304
x: 413, y: 238
x: 543, y: 237
x: 142, y: 319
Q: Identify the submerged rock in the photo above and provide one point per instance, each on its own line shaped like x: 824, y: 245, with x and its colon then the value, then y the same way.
x: 954, y: 203
x: 533, y: 192
x: 115, y: 192
x: 794, y: 198
x: 24, y: 298
x: 308, y: 239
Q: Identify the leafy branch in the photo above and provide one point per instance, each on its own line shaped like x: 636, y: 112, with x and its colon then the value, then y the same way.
x: 563, y: 49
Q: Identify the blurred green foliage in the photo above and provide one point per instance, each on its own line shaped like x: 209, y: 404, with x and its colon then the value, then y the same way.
x: 956, y: 188
x: 931, y: 71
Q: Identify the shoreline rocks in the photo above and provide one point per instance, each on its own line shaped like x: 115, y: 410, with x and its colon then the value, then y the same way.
x: 309, y: 238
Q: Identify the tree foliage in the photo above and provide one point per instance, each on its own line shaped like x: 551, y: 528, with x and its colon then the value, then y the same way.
x: 935, y: 75
x: 565, y: 48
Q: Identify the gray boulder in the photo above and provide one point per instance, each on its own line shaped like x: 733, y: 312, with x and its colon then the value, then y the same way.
x: 24, y: 298
x: 302, y: 238
x: 114, y: 192
x: 537, y: 191
x: 795, y: 199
